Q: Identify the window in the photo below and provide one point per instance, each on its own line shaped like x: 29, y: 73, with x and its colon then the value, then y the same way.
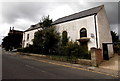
x: 27, y: 37
x: 83, y: 33
x: 83, y: 43
x: 64, y: 38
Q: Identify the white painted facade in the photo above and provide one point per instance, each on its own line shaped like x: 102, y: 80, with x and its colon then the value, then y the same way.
x: 104, y: 34
x: 102, y: 29
x: 73, y: 29
x: 27, y: 42
x: 97, y: 26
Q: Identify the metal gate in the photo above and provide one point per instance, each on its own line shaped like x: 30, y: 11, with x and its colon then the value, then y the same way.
x: 105, y: 49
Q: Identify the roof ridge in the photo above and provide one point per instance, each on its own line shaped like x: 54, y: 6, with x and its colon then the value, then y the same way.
x: 78, y: 13
x: 84, y: 10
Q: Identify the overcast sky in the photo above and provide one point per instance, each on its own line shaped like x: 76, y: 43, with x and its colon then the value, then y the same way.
x: 23, y: 14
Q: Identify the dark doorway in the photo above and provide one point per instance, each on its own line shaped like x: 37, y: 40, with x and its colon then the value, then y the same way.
x: 84, y: 45
x: 105, y: 52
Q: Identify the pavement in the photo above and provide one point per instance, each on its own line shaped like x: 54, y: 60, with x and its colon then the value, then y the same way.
x: 111, y: 64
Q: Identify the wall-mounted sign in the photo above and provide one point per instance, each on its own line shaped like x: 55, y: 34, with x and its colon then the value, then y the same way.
x: 92, y: 35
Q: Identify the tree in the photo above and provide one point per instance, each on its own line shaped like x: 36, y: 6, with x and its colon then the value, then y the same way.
x: 46, y: 39
x: 5, y: 43
x: 45, y: 22
x: 12, y: 41
x: 115, y: 37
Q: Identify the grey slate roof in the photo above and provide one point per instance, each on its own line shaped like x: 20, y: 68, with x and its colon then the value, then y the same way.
x: 32, y: 27
x: 78, y: 15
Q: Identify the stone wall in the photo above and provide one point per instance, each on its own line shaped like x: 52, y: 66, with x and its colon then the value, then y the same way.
x: 84, y: 62
x: 96, y: 56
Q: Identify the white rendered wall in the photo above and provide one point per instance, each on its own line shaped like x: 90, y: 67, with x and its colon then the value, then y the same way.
x: 104, y: 31
x: 73, y: 29
x: 31, y: 37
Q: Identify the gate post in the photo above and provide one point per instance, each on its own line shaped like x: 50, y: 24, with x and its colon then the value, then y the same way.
x: 96, y: 56
x: 93, y: 57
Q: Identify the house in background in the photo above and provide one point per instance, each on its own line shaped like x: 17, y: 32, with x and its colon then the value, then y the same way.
x: 28, y: 35
x: 13, y: 40
x: 90, y: 28
x: 13, y: 31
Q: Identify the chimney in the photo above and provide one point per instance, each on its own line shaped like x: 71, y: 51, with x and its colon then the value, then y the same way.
x: 13, y: 28
x: 10, y: 28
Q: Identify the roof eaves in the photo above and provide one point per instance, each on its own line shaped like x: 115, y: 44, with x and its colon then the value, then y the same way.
x: 73, y: 19
x: 32, y: 29
x: 95, y: 11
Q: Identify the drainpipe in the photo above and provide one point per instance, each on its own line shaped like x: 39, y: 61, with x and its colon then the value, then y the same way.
x: 96, y: 30
x: 23, y: 39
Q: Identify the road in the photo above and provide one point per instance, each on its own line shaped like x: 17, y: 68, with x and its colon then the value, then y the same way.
x: 21, y: 68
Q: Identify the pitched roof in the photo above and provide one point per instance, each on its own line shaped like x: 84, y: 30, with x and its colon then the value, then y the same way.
x: 78, y: 15
x: 15, y: 32
x: 32, y: 27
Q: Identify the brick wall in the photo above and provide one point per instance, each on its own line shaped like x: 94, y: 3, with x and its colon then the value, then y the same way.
x: 99, y: 56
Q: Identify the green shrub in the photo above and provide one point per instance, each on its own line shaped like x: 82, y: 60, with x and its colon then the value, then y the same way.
x: 73, y: 51
x: 20, y: 50
x: 117, y: 48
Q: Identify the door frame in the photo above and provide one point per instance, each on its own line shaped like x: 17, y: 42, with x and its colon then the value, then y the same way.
x: 105, y: 51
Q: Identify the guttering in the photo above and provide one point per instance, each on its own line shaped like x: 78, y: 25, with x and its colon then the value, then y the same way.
x: 96, y: 30
x: 54, y: 23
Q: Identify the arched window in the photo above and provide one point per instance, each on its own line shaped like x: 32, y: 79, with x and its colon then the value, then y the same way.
x: 64, y: 38
x: 83, y: 33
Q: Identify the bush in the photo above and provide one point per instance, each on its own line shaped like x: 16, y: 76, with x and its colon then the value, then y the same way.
x: 20, y: 50
x: 76, y: 51
x: 73, y: 51
x: 30, y: 49
x: 117, y: 48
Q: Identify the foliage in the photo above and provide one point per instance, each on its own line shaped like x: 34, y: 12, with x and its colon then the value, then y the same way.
x: 45, y: 22
x: 117, y: 47
x: 46, y: 39
x: 12, y: 41
x: 73, y: 51
x: 116, y: 41
x: 115, y: 37
x: 76, y: 51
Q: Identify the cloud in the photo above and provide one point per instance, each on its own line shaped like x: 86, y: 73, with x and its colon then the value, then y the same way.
x: 4, y: 31
x: 33, y: 11
x: 60, y: 11
x: 23, y: 14
x: 22, y: 24
x: 27, y: 10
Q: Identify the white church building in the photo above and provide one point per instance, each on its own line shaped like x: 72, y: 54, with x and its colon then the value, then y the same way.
x: 90, y: 28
